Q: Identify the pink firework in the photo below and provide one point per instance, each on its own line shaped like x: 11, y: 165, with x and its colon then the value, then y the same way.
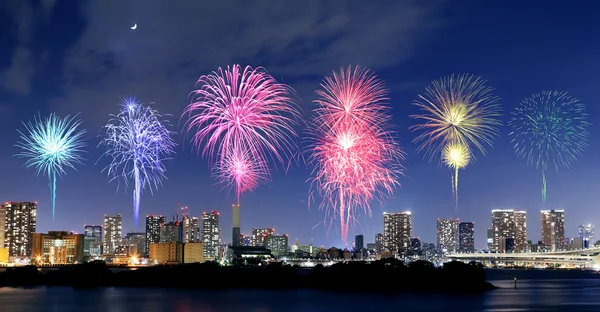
x: 242, y: 119
x: 355, y: 158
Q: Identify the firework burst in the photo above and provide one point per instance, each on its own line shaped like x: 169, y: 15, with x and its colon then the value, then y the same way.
x: 244, y: 117
x: 456, y: 156
x: 354, y: 157
x: 51, y: 145
x: 138, y: 142
x: 549, y: 129
x: 457, y: 112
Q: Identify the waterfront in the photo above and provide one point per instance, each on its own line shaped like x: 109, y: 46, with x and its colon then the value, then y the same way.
x: 539, y: 290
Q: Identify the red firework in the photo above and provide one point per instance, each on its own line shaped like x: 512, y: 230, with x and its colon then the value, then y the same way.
x: 242, y: 119
x: 355, y: 158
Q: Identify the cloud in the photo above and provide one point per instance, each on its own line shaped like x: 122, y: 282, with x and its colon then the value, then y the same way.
x: 25, y: 18
x: 174, y: 44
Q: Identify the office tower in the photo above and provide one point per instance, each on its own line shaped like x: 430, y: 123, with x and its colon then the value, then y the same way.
x: 58, y: 247
x: 236, y: 233
x: 211, y: 235
x: 509, y: 224
x: 359, y: 242
x: 19, y: 226
x: 171, y: 232
x: 447, y: 235
x: 113, y: 227
x: 490, y: 239
x: 259, y: 235
x: 378, y: 243
x: 191, y: 230
x: 466, y: 237
x: 553, y: 229
x: 92, y: 242
x: 136, y: 244
x: 153, y: 224
x: 2, y: 225
x: 397, y: 228
x: 586, y: 233
x: 277, y: 244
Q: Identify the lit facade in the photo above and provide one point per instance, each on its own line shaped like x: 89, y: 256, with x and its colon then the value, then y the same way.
x: 490, y: 239
x: 447, y: 235
x: 171, y: 232
x: 113, y: 233
x: 136, y: 244
x: 586, y: 234
x: 191, y: 230
x: 277, y: 244
x: 3, y: 255
x: 193, y: 252
x: 153, y: 224
x: 466, y: 237
x: 259, y: 235
x: 397, y: 230
x: 57, y: 247
x: 19, y: 226
x: 211, y: 235
x: 553, y: 229
x: 378, y: 243
x: 166, y: 252
x: 512, y: 225
x: 92, y: 242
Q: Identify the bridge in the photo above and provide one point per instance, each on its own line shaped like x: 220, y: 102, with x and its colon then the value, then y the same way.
x: 584, y: 257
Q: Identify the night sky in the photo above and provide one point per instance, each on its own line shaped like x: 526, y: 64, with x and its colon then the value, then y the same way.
x: 81, y: 56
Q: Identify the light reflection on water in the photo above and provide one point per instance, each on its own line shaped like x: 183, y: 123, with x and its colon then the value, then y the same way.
x: 559, y: 292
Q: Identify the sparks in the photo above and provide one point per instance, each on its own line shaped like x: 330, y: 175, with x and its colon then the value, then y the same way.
x: 138, y: 142
x: 51, y: 145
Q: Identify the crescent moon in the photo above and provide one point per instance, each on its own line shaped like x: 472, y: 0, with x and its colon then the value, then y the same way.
x: 134, y: 26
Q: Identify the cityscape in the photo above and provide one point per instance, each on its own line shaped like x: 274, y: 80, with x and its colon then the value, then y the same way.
x: 189, y: 239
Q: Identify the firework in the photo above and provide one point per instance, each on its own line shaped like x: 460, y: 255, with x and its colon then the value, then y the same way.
x: 245, y: 117
x: 51, y: 145
x: 138, y: 142
x: 458, y: 112
x: 549, y: 129
x: 456, y: 156
x: 354, y: 157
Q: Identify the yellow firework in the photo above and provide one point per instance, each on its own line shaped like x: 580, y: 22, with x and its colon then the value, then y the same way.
x: 456, y: 156
x: 459, y: 114
x: 457, y: 109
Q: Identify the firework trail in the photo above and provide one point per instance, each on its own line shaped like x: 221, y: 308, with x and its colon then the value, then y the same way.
x: 457, y: 111
x: 242, y: 120
x: 354, y: 157
x: 51, y: 145
x: 138, y: 142
x: 549, y: 129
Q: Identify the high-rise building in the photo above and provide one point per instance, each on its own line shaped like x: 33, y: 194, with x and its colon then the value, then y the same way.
x: 153, y: 224
x: 359, y: 242
x: 509, y: 224
x: 171, y: 232
x: 490, y: 239
x: 259, y: 235
x: 466, y: 237
x: 447, y: 235
x: 136, y: 244
x: 58, y: 247
x: 211, y: 235
x: 397, y: 230
x: 113, y: 233
x: 19, y: 226
x: 92, y: 242
x: 236, y: 235
x: 553, y: 229
x: 190, y: 229
x: 277, y: 244
x: 586, y: 233
x: 378, y: 243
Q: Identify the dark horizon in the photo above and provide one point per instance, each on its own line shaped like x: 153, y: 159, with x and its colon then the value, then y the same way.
x: 69, y: 58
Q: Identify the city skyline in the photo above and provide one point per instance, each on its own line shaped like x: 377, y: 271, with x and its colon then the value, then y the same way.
x: 62, y: 83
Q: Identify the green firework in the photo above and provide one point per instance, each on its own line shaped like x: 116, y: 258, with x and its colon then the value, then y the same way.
x: 549, y: 129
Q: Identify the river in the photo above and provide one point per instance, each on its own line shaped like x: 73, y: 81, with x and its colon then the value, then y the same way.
x: 538, y: 290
